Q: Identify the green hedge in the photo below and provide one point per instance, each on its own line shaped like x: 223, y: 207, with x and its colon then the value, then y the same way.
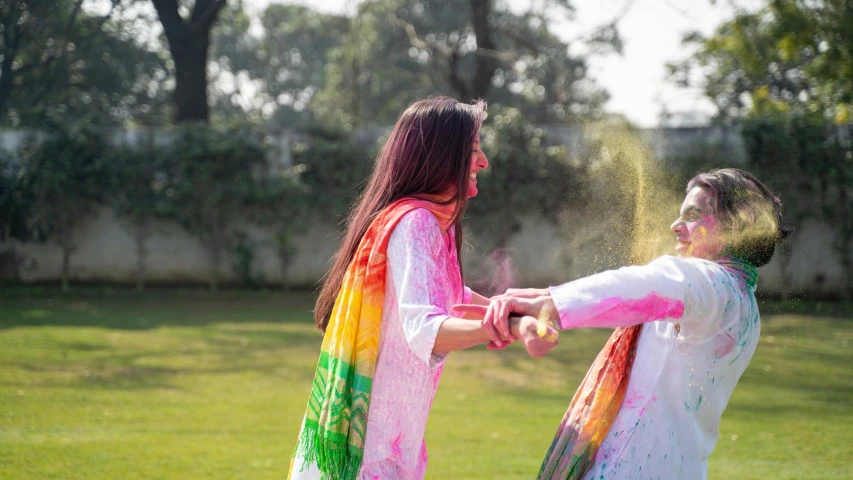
x: 207, y: 179
x: 210, y: 179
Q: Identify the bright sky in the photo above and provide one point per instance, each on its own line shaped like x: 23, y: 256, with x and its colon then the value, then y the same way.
x: 651, y: 31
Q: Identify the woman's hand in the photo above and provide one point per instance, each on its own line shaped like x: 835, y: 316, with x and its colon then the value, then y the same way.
x: 496, y: 321
x: 503, y: 327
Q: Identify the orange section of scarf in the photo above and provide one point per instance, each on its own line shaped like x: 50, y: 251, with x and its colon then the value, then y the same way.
x: 593, y: 409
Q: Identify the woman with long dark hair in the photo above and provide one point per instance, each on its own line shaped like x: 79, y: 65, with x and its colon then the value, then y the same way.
x: 384, y: 304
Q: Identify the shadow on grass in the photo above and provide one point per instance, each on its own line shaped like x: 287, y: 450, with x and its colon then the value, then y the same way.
x: 129, y: 310
x: 202, y: 334
x: 80, y: 365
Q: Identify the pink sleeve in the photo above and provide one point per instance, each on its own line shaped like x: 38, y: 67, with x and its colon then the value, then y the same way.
x: 669, y: 288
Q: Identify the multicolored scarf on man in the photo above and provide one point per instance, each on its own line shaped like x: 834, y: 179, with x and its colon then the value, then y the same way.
x: 336, y: 417
x: 598, y: 399
x: 593, y: 408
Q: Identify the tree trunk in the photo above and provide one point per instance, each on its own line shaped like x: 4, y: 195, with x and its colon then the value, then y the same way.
x: 188, y: 44
x: 486, y: 65
x: 11, y: 42
x: 285, y: 266
x: 216, y: 245
x: 355, y: 51
x: 191, y: 81
x: 66, y: 263
x: 503, y: 232
x: 500, y: 268
x: 457, y: 80
x: 785, y: 255
x: 285, y: 250
x: 141, y: 235
x: 66, y: 241
x: 5, y: 84
x: 846, y: 252
x: 215, y: 260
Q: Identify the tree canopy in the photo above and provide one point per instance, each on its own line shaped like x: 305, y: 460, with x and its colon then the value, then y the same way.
x: 790, y: 56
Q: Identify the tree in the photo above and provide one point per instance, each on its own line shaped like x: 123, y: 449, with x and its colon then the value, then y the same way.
x: 328, y: 170
x: 791, y: 56
x: 785, y: 72
x: 811, y: 163
x: 210, y: 178
x: 286, y: 62
x: 401, y: 50
x: 139, y: 196
x: 14, y: 202
x: 43, y: 23
x: 334, y: 169
x: 189, y: 41
x: 523, y: 176
x: 824, y: 29
x: 64, y: 178
x: 526, y: 176
x: 62, y: 62
x: 281, y: 203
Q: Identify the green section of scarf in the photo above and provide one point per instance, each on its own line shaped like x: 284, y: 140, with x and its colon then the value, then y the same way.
x: 332, y: 449
x: 742, y: 267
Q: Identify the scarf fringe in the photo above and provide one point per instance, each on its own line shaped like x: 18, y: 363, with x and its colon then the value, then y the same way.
x: 335, y: 459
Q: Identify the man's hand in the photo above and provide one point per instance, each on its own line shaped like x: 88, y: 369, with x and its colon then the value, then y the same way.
x: 530, y: 331
x: 502, y: 329
x: 496, y: 320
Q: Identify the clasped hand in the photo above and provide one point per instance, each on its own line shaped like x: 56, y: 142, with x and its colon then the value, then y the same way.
x: 528, y: 315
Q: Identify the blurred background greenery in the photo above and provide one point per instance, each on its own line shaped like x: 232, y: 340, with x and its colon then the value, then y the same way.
x: 151, y: 150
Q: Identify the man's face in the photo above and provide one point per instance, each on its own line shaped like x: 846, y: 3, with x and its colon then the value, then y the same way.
x: 697, y: 231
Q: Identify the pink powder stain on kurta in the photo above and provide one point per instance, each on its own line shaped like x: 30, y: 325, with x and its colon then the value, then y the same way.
x: 424, y: 457
x: 396, y: 451
x: 436, y: 376
x: 724, y: 344
x: 634, y: 400
x: 621, y: 312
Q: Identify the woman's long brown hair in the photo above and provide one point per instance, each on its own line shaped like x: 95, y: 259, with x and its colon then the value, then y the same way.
x: 428, y: 152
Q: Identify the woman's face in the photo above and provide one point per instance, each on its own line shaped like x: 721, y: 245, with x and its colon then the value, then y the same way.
x: 697, y: 231
x: 478, y: 162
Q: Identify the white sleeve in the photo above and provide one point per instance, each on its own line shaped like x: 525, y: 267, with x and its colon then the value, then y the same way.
x: 687, y: 291
x: 415, y: 251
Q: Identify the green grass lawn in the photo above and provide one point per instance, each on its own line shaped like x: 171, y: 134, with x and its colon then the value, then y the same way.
x: 187, y: 385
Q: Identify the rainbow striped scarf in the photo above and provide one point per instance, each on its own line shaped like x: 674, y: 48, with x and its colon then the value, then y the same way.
x: 336, y: 417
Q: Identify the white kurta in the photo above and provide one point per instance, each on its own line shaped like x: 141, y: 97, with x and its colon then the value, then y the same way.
x: 422, y: 283
x: 685, y: 369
